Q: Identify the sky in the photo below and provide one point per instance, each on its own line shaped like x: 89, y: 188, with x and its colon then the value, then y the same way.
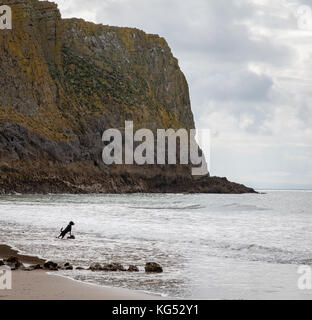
x: 249, y: 68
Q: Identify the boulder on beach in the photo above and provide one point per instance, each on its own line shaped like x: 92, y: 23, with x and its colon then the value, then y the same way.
x: 118, y: 266
x: 133, y: 268
x: 113, y: 267
x: 13, y: 263
x: 153, y: 267
x: 50, y: 265
x: 67, y: 266
x: 95, y: 266
x: 1, y: 263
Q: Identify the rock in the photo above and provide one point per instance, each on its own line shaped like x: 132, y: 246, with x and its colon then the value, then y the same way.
x: 109, y: 267
x: 118, y: 266
x: 80, y: 268
x: 133, y: 268
x: 153, y: 267
x: 71, y: 237
x: 13, y: 263
x: 113, y: 267
x: 67, y: 266
x: 1, y: 263
x: 95, y: 266
x: 50, y: 265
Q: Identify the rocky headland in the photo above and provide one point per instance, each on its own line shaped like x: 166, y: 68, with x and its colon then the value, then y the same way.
x: 64, y: 82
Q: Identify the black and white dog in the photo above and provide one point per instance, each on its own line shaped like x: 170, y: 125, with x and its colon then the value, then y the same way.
x: 66, y: 230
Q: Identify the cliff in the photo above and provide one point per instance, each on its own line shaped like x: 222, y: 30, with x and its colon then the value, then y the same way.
x: 63, y: 82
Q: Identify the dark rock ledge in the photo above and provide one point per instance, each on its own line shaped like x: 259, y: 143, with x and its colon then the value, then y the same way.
x: 15, y: 264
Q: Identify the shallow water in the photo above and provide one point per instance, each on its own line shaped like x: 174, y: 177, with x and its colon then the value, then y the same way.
x: 211, y: 246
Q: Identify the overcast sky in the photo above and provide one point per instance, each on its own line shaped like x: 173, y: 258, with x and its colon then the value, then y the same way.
x: 249, y: 68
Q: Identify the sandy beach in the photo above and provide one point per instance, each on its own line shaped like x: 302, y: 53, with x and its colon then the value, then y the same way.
x: 39, y: 285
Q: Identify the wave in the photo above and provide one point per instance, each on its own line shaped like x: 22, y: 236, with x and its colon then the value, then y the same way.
x: 243, y: 207
x: 190, y: 207
x: 255, y: 252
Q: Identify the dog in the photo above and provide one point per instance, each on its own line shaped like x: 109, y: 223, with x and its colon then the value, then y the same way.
x: 66, y: 230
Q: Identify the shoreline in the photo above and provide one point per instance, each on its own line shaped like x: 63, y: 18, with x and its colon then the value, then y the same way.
x: 41, y: 285
x: 8, y: 251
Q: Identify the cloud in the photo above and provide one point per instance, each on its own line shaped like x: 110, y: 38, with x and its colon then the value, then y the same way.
x: 238, y: 85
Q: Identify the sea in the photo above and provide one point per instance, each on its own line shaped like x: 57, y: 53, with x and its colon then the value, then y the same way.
x: 211, y: 246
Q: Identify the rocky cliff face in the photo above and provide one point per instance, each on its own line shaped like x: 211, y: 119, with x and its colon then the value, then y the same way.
x: 63, y: 82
